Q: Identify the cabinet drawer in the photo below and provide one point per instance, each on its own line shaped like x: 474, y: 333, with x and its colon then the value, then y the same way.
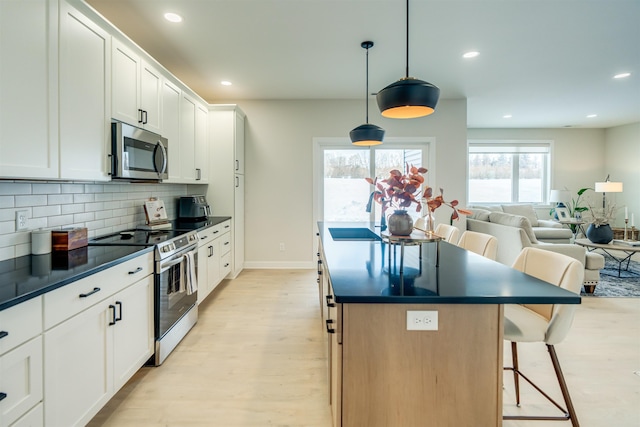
x: 220, y: 229
x: 206, y: 236
x: 20, y: 380
x: 20, y: 323
x: 225, y: 244
x: 225, y: 265
x: 33, y: 418
x: 70, y: 300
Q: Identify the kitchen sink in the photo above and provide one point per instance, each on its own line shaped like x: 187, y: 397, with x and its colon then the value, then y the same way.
x: 359, y: 233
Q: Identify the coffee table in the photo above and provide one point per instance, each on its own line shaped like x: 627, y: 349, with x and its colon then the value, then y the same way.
x: 628, y: 250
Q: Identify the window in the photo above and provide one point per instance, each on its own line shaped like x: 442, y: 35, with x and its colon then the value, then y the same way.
x: 509, y: 171
x: 341, y: 190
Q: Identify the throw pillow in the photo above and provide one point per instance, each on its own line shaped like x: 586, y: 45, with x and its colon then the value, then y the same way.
x: 514, y: 221
x: 522, y: 210
x: 480, y: 214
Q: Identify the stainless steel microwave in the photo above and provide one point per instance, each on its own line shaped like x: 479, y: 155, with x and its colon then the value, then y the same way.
x: 137, y: 153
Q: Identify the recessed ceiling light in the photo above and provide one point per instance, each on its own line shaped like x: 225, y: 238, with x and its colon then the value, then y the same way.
x: 472, y: 54
x: 172, y: 17
x: 507, y: 116
x: 226, y: 83
x: 591, y: 116
x: 621, y: 75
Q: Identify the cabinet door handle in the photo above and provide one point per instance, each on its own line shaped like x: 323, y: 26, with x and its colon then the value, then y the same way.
x: 3, y: 395
x: 226, y: 265
x: 329, y: 329
x: 119, y: 305
x: 139, y: 115
x: 237, y: 182
x: 3, y: 334
x: 198, y: 174
x: 237, y: 165
x: 329, y: 303
x: 204, y: 237
x: 216, y: 232
x: 144, y: 115
x: 90, y: 293
x: 137, y: 270
x: 227, y: 226
x: 226, y: 243
x: 210, y: 251
x: 113, y: 314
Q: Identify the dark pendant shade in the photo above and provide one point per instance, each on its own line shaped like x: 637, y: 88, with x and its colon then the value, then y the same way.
x: 367, y: 135
x: 408, y: 98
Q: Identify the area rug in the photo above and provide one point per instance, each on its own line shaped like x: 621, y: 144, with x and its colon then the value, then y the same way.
x: 628, y: 285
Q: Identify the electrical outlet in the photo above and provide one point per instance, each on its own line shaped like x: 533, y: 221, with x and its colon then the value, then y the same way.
x: 281, y: 247
x: 422, y: 320
x: 21, y: 220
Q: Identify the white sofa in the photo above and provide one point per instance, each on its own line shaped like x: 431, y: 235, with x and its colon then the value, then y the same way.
x: 514, y: 232
x: 545, y: 230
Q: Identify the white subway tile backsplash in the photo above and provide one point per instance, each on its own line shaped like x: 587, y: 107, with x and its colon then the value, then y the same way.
x: 101, y: 207
x: 24, y: 201
x: 45, y: 188
x: 35, y: 223
x: 61, y: 220
x: 71, y: 209
x: 83, y: 198
x: 93, y: 207
x: 84, y: 217
x: 72, y: 188
x: 40, y: 211
x: 7, y: 201
x: 13, y: 188
x: 60, y: 199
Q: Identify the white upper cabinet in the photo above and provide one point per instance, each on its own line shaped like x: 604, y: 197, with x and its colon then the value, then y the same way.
x: 85, y: 89
x: 171, y: 95
x: 136, y: 89
x: 28, y: 91
x: 189, y: 153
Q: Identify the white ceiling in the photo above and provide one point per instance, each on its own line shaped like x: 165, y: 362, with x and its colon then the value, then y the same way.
x: 549, y: 63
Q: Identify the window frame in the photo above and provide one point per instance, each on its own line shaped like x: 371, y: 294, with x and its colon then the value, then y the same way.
x: 517, y: 145
x: 339, y: 143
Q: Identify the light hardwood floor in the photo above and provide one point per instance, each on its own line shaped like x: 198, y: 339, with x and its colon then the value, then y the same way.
x: 257, y: 357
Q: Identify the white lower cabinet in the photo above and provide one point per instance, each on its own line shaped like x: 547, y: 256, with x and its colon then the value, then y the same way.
x: 33, y: 418
x: 20, y: 380
x: 91, y: 355
x: 214, y: 259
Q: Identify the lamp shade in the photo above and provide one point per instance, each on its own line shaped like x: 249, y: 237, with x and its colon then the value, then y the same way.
x: 608, y: 187
x: 367, y: 135
x: 559, y: 196
x: 408, y: 98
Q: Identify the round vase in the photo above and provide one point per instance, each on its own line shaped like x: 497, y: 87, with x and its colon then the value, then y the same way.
x: 600, y: 234
x: 400, y: 223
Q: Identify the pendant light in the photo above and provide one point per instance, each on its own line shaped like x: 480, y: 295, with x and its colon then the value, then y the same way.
x: 409, y: 97
x: 367, y: 134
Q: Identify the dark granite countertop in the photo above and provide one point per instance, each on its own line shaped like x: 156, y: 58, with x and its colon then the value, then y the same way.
x: 28, y: 276
x: 360, y: 272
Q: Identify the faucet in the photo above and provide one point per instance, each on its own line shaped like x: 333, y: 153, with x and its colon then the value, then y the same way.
x: 383, y: 220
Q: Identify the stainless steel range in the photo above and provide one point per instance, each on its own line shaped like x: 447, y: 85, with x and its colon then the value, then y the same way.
x: 175, y: 308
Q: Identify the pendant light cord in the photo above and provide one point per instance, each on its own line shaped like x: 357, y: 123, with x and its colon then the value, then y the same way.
x: 366, y: 92
x: 407, y: 39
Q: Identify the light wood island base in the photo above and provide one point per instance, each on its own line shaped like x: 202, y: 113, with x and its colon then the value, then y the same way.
x: 391, y: 376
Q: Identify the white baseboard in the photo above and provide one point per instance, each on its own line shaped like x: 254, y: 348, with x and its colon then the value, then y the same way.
x: 280, y: 265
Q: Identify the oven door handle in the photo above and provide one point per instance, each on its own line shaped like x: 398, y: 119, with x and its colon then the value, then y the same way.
x: 165, y: 266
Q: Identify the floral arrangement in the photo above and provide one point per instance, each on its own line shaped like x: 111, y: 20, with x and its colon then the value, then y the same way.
x: 602, y: 216
x: 400, y: 191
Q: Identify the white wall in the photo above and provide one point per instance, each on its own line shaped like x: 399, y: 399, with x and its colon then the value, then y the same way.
x: 279, y: 161
x: 622, y: 161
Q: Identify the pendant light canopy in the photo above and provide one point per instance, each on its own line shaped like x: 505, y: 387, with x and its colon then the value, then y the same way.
x: 409, y: 97
x: 367, y: 134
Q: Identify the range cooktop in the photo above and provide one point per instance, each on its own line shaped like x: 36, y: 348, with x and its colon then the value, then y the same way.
x: 136, y: 238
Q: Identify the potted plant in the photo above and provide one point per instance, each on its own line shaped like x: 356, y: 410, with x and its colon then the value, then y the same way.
x: 575, y: 208
x: 400, y: 191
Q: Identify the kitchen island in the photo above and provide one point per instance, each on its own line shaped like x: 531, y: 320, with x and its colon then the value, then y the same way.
x: 424, y: 349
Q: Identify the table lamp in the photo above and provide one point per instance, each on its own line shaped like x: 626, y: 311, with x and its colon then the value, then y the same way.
x: 607, y: 187
x: 559, y: 197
